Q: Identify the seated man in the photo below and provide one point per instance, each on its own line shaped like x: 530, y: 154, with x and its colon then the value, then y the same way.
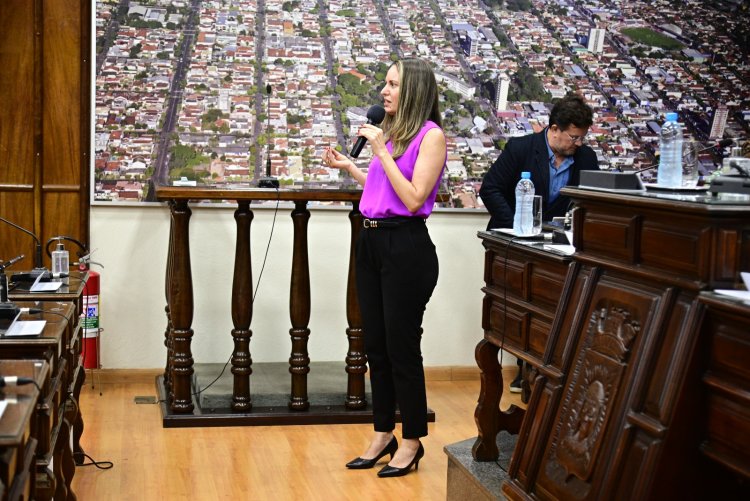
x: 555, y: 157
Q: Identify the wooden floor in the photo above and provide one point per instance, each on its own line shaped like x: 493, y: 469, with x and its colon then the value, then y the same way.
x: 247, y: 463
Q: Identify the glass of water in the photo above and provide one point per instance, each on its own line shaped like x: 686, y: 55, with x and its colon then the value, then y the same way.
x: 690, y: 151
x: 536, y: 211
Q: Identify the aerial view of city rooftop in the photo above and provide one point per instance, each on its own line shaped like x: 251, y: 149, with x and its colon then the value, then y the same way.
x: 208, y: 92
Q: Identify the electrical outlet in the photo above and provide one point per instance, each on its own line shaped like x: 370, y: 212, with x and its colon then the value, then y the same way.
x: 145, y: 399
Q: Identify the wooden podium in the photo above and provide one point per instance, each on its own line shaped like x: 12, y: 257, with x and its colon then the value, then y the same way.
x: 643, y: 390
x: 176, y: 385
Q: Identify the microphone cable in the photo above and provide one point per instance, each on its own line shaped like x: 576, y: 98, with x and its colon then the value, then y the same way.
x: 102, y: 465
x: 19, y: 381
x: 505, y: 323
x: 255, y: 293
x: 505, y: 298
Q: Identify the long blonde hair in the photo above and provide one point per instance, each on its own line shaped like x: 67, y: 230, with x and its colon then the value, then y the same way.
x: 418, y: 102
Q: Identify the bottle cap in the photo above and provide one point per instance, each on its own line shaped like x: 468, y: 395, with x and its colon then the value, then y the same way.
x: 60, y: 247
x: 525, y: 175
x: 671, y: 116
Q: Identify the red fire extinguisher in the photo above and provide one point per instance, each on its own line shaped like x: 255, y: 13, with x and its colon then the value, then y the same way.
x: 90, y: 315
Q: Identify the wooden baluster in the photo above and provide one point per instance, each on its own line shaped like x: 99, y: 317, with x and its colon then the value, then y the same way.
x: 181, y: 307
x: 242, y: 310
x: 299, y: 309
x: 356, y: 360
x: 168, y: 329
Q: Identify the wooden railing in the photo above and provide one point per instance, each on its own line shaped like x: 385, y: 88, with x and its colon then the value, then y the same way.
x: 179, y: 408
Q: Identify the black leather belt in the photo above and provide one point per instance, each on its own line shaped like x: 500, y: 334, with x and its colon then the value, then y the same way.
x: 390, y: 222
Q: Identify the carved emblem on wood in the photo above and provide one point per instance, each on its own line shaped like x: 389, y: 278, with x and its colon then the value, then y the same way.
x: 587, y: 403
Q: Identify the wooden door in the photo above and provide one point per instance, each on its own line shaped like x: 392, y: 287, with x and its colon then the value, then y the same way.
x: 45, y: 134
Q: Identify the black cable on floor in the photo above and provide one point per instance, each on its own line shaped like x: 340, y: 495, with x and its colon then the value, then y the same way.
x: 102, y: 465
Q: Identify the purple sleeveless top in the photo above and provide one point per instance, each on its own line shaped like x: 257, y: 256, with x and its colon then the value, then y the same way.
x: 379, y: 199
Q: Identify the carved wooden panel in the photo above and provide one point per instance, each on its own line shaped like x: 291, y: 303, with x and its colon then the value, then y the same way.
x: 598, y: 385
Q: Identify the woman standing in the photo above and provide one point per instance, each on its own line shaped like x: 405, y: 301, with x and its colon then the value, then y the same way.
x: 396, y: 264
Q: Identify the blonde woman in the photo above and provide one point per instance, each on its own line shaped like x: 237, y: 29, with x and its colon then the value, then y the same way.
x: 397, y: 267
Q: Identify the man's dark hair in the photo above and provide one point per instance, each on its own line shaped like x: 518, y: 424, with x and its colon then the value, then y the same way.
x: 571, y: 109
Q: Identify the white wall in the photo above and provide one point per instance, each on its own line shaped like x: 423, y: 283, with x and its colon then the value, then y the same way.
x: 131, y: 243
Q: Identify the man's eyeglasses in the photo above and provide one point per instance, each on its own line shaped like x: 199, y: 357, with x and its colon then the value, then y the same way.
x: 575, y: 139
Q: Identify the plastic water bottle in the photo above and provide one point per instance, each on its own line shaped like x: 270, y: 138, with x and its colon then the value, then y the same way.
x: 669, y: 174
x: 523, y: 219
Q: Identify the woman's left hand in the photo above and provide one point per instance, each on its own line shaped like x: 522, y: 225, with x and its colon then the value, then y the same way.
x: 374, y: 136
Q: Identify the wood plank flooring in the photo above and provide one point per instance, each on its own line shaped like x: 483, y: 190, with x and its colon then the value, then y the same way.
x: 255, y: 463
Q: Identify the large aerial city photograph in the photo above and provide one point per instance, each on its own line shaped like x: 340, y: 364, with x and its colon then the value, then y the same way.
x: 214, y: 93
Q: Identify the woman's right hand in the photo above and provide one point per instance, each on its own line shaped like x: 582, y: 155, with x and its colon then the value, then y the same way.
x: 334, y: 158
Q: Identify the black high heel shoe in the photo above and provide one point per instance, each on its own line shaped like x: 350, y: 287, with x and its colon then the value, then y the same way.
x: 363, y: 464
x: 392, y: 471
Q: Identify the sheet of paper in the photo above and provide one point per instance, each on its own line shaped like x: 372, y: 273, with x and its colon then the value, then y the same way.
x: 734, y: 293
x: 746, y: 278
x: 26, y: 328
x: 565, y: 249
x: 3, y: 405
x: 45, y: 286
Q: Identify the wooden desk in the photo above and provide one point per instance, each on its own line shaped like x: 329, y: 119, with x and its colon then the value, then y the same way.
x: 523, y: 285
x: 54, y: 458
x: 642, y: 375
x: 18, y: 430
x: 71, y: 291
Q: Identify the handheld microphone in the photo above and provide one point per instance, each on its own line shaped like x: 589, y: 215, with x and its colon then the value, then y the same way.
x: 38, y: 248
x: 375, y: 115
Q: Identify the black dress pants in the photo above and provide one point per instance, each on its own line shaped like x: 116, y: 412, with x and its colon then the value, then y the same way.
x: 397, y: 270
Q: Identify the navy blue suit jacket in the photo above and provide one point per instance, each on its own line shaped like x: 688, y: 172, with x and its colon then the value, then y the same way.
x: 528, y: 153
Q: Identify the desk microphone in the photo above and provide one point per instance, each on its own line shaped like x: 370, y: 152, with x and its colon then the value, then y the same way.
x: 375, y: 115
x: 14, y: 381
x: 4, y: 280
x: 37, y: 248
x: 268, y: 181
x: 30, y: 277
x: 13, y: 261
